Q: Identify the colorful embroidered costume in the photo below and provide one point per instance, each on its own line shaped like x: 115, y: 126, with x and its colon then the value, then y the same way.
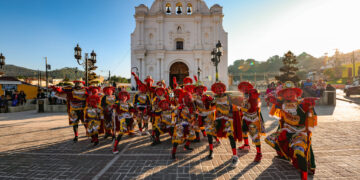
x: 223, y: 119
x: 297, y: 119
x: 251, y: 119
x: 204, y: 109
x: 163, y: 115
x: 142, y: 104
x: 94, y: 116
x: 183, y: 130
x: 107, y: 103
x: 76, y: 100
x: 124, y: 118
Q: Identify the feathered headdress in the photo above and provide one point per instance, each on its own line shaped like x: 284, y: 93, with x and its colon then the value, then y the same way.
x: 124, y: 93
x: 245, y: 87
x: 218, y: 88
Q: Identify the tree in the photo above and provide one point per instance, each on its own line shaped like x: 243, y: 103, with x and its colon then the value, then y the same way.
x: 289, y: 69
x: 119, y: 79
x: 329, y: 73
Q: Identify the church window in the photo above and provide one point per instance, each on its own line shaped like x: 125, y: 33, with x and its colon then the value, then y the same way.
x: 179, y: 45
x: 178, y: 8
x: 168, y: 8
x: 189, y: 9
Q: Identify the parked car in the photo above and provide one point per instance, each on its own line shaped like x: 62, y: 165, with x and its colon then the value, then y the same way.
x: 353, y: 89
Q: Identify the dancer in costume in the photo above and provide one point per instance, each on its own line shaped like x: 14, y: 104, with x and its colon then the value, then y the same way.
x: 176, y: 92
x: 297, y: 119
x: 163, y: 114
x: 189, y: 87
x: 204, y: 109
x: 183, y: 131
x: 94, y: 116
x: 107, y: 103
x: 124, y: 118
x: 223, y: 120
x: 76, y: 100
x: 142, y: 104
x: 252, y: 122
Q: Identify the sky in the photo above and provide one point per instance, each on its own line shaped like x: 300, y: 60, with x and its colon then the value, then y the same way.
x: 33, y: 29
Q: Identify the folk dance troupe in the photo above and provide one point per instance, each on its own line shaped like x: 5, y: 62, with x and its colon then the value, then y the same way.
x: 188, y: 112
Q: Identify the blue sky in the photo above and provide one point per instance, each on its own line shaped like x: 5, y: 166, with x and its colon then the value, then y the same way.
x: 33, y: 29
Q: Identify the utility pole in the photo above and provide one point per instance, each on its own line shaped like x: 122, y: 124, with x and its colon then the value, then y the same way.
x: 255, y: 79
x: 353, y: 61
x: 38, y: 76
x: 109, y: 76
x: 86, y: 70
x: 46, y: 75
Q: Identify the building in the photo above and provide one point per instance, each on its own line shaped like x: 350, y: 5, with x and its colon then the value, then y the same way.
x: 10, y: 84
x: 349, y: 62
x: 174, y: 38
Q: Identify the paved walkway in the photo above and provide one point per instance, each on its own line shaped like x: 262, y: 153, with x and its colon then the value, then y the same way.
x: 39, y: 146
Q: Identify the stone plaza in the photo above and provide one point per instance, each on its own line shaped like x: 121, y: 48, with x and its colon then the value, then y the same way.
x: 40, y: 146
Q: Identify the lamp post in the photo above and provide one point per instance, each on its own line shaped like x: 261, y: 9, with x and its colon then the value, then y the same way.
x: 2, y: 60
x: 47, y: 67
x: 89, y: 64
x: 198, y: 72
x: 216, y: 53
x: 76, y: 72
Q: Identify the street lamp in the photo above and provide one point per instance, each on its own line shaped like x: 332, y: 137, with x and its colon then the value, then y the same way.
x: 76, y: 72
x: 216, y: 53
x: 198, y: 72
x: 2, y: 60
x: 88, y: 63
x: 47, y: 67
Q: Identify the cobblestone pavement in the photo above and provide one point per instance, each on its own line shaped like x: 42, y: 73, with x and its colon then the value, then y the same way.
x: 39, y: 146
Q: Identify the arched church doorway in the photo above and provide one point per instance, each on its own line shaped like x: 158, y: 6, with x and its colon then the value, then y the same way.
x: 179, y: 70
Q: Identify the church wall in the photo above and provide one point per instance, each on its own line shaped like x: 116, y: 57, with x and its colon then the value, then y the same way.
x: 153, y: 42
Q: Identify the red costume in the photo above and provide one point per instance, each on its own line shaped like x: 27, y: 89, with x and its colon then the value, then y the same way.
x: 251, y: 119
x: 297, y: 119
x: 203, y: 104
x: 142, y: 103
x: 223, y: 119
x: 107, y: 103
x: 183, y: 130
x: 94, y: 116
x: 76, y: 100
x: 124, y: 118
x: 162, y: 112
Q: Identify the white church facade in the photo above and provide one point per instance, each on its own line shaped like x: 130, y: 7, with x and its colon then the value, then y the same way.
x: 174, y: 38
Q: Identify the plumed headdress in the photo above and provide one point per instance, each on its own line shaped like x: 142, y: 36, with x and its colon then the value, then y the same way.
x: 124, y: 93
x: 245, y: 87
x: 218, y: 88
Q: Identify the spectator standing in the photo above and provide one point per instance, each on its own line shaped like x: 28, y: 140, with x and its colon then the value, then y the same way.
x: 41, y: 94
x: 22, y: 97
x: 320, y: 87
x: 308, y: 83
x: 4, y: 104
x: 15, y: 99
x: 278, y: 87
